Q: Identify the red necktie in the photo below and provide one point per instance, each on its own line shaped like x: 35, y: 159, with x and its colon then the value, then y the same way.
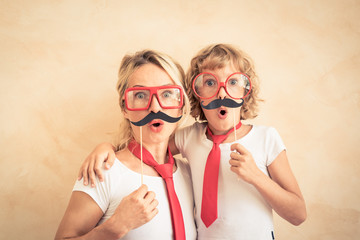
x: 209, y: 208
x: 166, y: 172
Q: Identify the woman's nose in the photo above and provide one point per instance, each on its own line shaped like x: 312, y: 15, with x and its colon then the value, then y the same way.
x: 154, y: 105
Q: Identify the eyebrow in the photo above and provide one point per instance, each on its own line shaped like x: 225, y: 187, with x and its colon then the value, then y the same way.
x: 208, y: 74
x: 156, y: 86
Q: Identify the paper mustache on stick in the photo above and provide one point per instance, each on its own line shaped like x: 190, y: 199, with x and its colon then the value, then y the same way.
x: 226, y: 102
x: 159, y: 115
x: 151, y: 116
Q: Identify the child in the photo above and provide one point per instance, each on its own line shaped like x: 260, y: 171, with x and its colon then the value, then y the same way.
x: 252, y: 174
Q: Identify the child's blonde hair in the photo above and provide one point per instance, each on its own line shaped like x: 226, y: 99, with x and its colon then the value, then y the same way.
x: 218, y: 56
x: 127, y: 67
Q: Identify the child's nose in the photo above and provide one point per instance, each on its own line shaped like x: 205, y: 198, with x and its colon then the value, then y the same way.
x: 222, y: 93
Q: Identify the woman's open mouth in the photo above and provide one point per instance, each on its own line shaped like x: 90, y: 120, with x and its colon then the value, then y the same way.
x: 156, y: 125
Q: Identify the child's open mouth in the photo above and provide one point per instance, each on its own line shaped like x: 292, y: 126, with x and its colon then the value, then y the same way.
x: 222, y: 113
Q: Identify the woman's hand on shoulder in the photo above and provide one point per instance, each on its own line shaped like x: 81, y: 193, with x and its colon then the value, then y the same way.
x: 104, y: 152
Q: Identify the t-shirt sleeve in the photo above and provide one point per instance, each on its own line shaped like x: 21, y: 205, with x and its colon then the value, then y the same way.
x: 180, y: 139
x: 100, y: 193
x: 275, y: 145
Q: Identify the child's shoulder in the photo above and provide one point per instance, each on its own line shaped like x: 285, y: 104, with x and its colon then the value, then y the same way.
x: 183, y: 164
x: 264, y: 130
x: 195, y: 127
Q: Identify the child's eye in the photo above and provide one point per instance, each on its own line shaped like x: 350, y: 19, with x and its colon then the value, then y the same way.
x: 210, y: 82
x: 233, y: 81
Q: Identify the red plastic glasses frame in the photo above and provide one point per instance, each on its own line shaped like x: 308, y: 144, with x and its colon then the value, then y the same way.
x: 154, y: 90
x: 221, y: 84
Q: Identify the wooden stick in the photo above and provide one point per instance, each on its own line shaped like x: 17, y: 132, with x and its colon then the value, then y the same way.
x: 235, y: 133
x: 141, y: 154
x: 234, y: 123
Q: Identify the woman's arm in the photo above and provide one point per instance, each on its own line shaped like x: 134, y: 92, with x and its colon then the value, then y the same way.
x: 280, y: 190
x: 80, y: 219
x: 83, y: 214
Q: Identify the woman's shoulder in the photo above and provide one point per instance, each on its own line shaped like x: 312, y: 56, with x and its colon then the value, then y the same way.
x: 119, y: 168
x: 123, y: 158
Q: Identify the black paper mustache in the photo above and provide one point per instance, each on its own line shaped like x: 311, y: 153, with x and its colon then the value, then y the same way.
x: 159, y: 115
x: 226, y: 102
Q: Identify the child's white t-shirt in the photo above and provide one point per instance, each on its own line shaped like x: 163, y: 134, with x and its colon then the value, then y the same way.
x: 242, y: 212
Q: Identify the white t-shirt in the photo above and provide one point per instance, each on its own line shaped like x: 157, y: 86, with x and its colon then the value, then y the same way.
x: 242, y: 212
x: 120, y: 181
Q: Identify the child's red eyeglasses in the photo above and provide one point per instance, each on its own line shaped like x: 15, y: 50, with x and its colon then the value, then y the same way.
x: 207, y: 85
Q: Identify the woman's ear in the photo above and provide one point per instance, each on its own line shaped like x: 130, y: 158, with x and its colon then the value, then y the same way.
x: 125, y: 113
x: 123, y: 109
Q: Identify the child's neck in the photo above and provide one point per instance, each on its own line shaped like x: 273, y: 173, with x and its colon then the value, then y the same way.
x: 240, y: 133
x: 224, y: 131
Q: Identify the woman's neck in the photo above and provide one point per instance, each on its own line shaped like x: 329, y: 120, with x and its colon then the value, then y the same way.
x: 158, y: 151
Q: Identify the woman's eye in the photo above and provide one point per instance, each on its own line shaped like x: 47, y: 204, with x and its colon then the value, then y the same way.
x: 167, y: 94
x: 140, y: 95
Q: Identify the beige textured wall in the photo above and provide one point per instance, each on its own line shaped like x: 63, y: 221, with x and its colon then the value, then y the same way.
x: 58, y: 65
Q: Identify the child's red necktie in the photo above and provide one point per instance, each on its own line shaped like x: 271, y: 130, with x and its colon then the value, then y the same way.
x: 209, y: 208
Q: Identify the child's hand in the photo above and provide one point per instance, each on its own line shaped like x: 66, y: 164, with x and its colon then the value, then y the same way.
x: 104, y: 152
x: 243, y: 164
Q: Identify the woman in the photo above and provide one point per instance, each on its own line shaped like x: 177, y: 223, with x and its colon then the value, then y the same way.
x: 152, y: 101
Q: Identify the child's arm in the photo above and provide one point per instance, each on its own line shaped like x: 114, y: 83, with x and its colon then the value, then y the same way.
x: 280, y: 190
x: 104, y: 152
x: 173, y: 148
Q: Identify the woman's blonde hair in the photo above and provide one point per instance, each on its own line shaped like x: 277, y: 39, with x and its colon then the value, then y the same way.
x: 218, y: 56
x: 129, y: 64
